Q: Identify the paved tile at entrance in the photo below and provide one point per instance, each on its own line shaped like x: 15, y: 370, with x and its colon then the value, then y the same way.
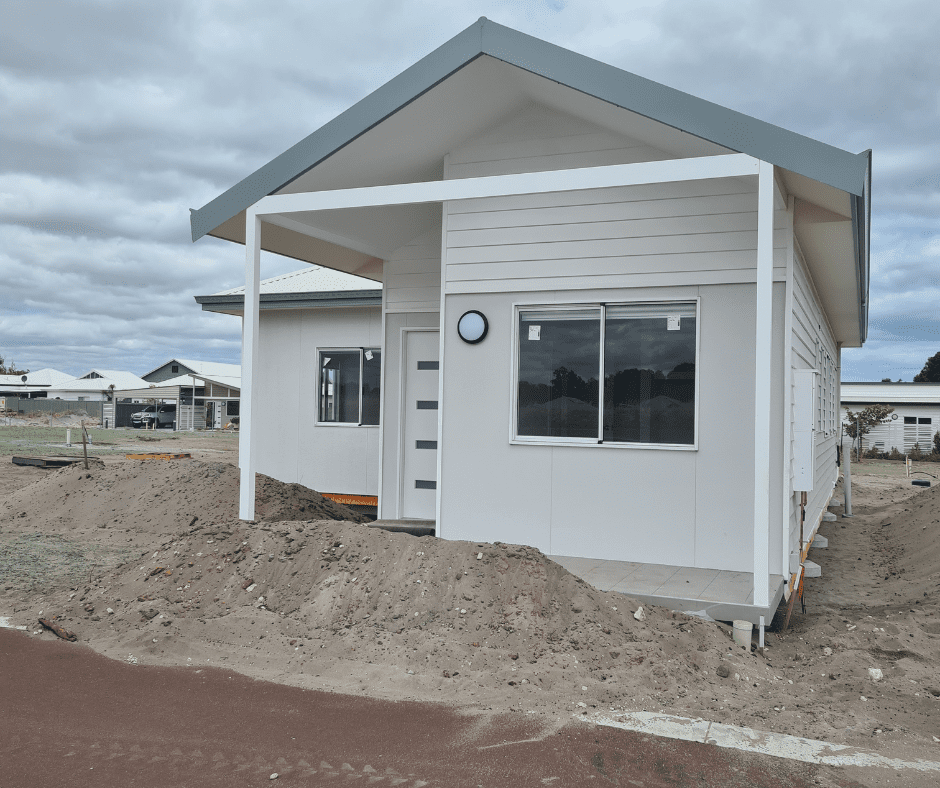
x: 674, y: 582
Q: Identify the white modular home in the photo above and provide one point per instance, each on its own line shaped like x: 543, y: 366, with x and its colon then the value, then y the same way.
x: 611, y: 321
x: 916, y: 416
x: 311, y: 320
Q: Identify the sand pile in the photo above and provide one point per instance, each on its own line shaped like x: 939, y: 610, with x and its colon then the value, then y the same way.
x: 909, y: 537
x: 171, y: 576
x: 357, y: 609
x: 157, y: 497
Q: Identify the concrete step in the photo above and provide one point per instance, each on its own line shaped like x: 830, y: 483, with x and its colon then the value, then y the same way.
x: 811, y: 569
x: 820, y: 541
x: 834, y: 503
x: 829, y: 517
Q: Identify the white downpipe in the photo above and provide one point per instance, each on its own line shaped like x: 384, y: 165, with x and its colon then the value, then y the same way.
x: 246, y: 445
x: 762, y: 380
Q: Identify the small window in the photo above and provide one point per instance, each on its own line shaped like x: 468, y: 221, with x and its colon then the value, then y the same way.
x: 175, y: 368
x: 924, y: 420
x: 350, y: 386
x: 910, y: 419
x: 645, y: 354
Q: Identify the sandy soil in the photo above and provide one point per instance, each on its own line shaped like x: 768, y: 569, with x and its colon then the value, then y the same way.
x: 146, y: 562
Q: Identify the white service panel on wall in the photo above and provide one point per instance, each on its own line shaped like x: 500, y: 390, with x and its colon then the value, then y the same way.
x: 804, y: 428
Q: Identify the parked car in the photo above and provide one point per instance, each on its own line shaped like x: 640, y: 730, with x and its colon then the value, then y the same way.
x: 164, y: 415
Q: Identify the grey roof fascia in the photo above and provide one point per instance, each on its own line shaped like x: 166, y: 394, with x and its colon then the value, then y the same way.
x: 313, y: 300
x: 395, y: 94
x: 726, y: 127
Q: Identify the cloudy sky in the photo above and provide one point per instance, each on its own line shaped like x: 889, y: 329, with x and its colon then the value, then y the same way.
x: 118, y: 117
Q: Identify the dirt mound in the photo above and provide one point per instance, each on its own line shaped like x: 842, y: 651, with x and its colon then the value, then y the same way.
x: 147, y: 562
x: 357, y: 609
x: 910, y: 536
x: 94, y: 519
x: 159, y: 497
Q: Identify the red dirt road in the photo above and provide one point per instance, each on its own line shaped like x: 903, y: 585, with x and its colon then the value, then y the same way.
x: 69, y: 717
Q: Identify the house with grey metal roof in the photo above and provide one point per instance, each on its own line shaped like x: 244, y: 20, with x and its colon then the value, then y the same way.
x: 316, y: 307
x: 611, y: 320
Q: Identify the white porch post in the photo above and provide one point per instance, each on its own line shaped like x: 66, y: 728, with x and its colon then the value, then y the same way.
x: 247, y: 451
x: 763, y: 347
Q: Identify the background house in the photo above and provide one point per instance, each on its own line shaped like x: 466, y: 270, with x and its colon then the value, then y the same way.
x: 611, y: 320
x: 916, y: 416
x: 300, y: 312
x: 95, y: 385
x: 32, y: 384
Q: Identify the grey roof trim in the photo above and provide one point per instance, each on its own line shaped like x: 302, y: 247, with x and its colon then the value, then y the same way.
x: 314, y: 300
x: 725, y: 127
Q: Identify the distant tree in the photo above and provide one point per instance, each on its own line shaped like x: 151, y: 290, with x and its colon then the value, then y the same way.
x: 861, y: 423
x: 931, y: 371
x: 12, y: 370
x: 886, y: 380
x: 936, y: 443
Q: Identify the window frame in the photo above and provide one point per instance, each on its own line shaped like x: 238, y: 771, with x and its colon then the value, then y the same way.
x: 320, y: 351
x: 514, y: 356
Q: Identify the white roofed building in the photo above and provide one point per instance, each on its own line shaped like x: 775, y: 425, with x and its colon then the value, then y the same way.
x: 916, y: 416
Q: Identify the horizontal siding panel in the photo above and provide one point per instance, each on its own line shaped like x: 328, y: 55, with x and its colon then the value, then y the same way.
x: 423, y: 279
x: 640, y: 193
x: 415, y: 294
x: 406, y: 267
x: 604, y: 212
x: 560, y: 161
x: 568, y: 270
x: 658, y: 245
x: 413, y: 306
x: 604, y: 230
x: 544, y: 146
x: 684, y: 278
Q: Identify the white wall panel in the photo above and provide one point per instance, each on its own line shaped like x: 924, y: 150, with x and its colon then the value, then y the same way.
x: 291, y: 447
x: 412, y: 275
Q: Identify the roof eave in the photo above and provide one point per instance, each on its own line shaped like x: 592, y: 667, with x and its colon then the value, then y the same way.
x: 313, y: 300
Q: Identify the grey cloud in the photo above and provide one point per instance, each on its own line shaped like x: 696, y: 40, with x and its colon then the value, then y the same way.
x: 119, y: 117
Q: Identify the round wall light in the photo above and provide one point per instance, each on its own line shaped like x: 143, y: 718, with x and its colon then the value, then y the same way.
x: 472, y: 327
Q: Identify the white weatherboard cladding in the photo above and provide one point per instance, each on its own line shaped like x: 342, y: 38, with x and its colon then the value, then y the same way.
x: 692, y: 508
x: 810, y: 332
x: 412, y: 275
x: 291, y: 447
x: 659, y: 234
x: 391, y: 406
x: 895, y: 433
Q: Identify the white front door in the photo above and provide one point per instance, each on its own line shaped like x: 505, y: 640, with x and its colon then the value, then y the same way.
x: 420, y: 375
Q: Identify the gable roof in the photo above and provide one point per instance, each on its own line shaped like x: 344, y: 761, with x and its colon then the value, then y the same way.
x: 120, y: 379
x: 200, y: 368
x: 41, y: 378
x: 727, y: 128
x: 405, y: 130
